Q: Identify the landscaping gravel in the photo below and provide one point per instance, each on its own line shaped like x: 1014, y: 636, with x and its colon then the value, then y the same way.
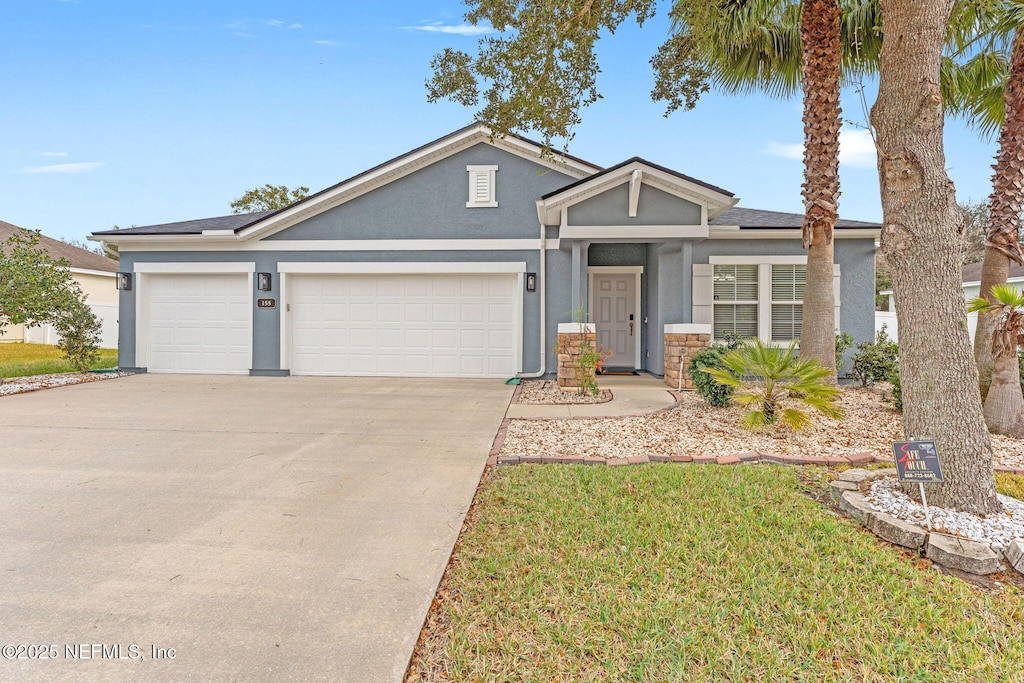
x: 547, y: 392
x: 695, y: 428
x: 997, y: 530
x: 20, y: 385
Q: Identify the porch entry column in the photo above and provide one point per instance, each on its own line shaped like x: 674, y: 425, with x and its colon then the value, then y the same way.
x: 580, y: 261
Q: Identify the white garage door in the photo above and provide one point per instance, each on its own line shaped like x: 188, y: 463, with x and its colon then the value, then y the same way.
x: 435, y: 325
x: 199, y: 323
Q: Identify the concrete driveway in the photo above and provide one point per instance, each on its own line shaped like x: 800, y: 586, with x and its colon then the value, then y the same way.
x: 263, y: 528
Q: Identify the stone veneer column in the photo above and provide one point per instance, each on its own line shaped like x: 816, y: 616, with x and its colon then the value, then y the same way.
x: 570, y: 337
x: 683, y: 341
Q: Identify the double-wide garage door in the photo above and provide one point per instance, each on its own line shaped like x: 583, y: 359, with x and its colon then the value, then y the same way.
x: 429, y: 325
x: 436, y: 325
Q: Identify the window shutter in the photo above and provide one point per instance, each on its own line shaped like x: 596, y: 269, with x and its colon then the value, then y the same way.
x: 738, y: 319
x: 702, y: 294
x: 835, y: 288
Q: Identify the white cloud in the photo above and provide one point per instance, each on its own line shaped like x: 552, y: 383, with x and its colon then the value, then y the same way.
x: 856, y: 149
x: 778, y: 149
x: 328, y: 43
x: 79, y: 167
x: 55, y: 154
x: 277, y: 23
x: 295, y: 25
x: 459, y: 30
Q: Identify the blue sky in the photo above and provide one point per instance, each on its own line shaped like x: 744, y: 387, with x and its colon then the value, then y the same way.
x: 134, y: 113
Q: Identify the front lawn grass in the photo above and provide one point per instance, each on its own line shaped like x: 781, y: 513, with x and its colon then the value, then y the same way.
x: 22, y: 360
x: 1010, y: 484
x: 698, y: 573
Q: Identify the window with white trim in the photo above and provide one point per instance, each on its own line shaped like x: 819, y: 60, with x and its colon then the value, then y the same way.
x: 481, y: 186
x: 758, y: 299
x: 735, y: 300
x: 788, y: 282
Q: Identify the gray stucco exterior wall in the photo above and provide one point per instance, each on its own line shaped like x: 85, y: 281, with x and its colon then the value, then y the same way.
x: 656, y: 207
x: 431, y: 203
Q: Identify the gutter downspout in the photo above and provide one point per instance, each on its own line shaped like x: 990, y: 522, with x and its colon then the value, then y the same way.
x: 543, y: 300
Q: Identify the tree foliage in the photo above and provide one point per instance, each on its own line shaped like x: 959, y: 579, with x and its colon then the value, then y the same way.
x: 875, y: 360
x: 541, y: 71
x: 268, y: 198
x: 33, y: 284
x: 36, y: 288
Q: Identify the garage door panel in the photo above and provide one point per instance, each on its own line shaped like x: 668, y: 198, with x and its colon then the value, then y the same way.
x: 406, y: 325
x: 199, y: 323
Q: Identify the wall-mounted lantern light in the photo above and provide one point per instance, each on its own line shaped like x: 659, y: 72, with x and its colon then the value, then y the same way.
x: 124, y: 281
x: 263, y: 282
x: 531, y: 282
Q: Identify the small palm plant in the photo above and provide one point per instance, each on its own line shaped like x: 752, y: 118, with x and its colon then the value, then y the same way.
x: 771, y: 381
x: 1004, y: 405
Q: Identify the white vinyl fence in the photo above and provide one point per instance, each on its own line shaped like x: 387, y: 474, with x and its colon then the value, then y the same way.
x: 888, y: 318
x: 107, y: 313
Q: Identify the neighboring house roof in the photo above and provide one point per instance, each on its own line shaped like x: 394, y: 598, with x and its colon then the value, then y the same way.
x: 78, y: 258
x: 972, y: 273
x: 756, y: 218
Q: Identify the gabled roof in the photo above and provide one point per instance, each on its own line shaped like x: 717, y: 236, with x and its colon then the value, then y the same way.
x: 273, y: 221
x: 627, y: 162
x: 78, y: 258
x: 756, y: 218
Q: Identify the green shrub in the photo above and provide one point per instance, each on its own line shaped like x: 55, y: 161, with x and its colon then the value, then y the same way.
x: 79, y: 331
x: 711, y: 391
x: 897, y: 390
x: 844, y: 342
x: 875, y: 361
x: 716, y: 394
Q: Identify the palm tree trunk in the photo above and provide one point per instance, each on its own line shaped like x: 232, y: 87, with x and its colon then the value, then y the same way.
x: 1004, y: 408
x: 994, y: 271
x: 822, y: 62
x: 1001, y: 244
x: 921, y: 241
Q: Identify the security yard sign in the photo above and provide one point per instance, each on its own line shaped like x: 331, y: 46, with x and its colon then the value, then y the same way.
x: 918, y: 462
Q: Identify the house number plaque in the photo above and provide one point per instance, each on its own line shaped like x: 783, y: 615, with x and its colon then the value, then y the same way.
x: 266, y: 303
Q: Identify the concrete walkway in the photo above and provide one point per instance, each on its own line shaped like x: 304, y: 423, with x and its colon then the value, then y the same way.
x: 631, y: 394
x: 264, y: 529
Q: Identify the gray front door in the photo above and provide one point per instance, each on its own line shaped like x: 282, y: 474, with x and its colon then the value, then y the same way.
x: 615, y: 315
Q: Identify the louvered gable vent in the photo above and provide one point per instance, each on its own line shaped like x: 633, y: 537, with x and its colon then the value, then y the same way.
x: 481, y: 186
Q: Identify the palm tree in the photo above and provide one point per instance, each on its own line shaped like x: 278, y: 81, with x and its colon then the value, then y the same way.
x: 778, y: 378
x: 1004, y: 406
x: 778, y: 46
x: 988, y: 90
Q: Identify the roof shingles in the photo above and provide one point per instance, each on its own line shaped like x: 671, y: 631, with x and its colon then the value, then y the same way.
x: 77, y: 257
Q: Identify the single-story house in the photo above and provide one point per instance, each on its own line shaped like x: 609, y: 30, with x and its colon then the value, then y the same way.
x: 463, y: 258
x: 94, y: 273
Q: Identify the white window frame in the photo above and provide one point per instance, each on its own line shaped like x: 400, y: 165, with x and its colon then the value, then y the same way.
x: 739, y: 302
x: 475, y: 173
x: 764, y: 287
x: 781, y: 302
